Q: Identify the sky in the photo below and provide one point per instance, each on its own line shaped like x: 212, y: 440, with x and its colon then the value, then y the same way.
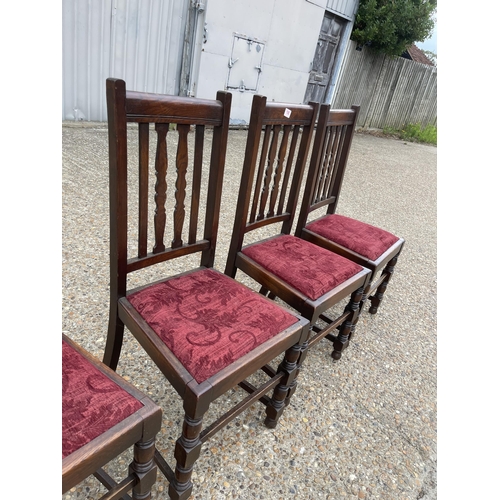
x: 431, y: 42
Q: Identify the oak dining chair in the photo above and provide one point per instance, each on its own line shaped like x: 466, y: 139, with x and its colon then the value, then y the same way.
x: 206, y: 332
x: 358, y: 241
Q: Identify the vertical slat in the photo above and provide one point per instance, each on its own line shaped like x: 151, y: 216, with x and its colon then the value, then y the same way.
x: 143, y: 188
x: 180, y: 185
x: 348, y: 131
x: 329, y: 145
x: 262, y: 163
x: 161, y: 165
x: 305, y: 142
x: 325, y: 159
x: 279, y: 169
x: 288, y: 168
x: 197, y: 168
x: 322, y: 161
x: 269, y: 171
x: 341, y: 133
x: 329, y: 163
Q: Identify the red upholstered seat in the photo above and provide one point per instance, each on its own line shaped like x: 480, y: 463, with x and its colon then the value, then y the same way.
x: 209, y: 320
x: 91, y: 402
x: 309, y: 268
x: 364, y: 239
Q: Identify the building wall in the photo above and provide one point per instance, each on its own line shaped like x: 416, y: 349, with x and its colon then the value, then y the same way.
x: 140, y: 41
x: 286, y: 31
x: 184, y: 47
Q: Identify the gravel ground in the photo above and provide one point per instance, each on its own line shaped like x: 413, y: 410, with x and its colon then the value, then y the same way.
x: 362, y: 428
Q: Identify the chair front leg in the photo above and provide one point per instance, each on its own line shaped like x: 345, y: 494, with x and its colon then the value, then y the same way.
x: 187, y: 451
x: 143, y: 466
x: 302, y: 356
x: 348, y: 327
x: 287, y: 383
x: 376, y: 299
x: 364, y: 298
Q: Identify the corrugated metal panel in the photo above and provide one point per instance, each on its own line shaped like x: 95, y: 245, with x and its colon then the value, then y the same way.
x: 140, y: 41
x: 346, y: 8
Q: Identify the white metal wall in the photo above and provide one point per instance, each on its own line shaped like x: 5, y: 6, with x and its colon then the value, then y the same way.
x: 345, y: 8
x: 140, y: 41
x: 285, y: 31
x: 285, y: 34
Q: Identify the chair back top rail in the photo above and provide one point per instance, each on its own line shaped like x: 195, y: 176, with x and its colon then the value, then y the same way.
x: 146, y: 107
x: 278, y: 113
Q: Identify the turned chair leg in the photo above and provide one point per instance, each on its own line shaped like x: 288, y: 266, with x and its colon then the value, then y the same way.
x: 376, y: 299
x: 364, y: 298
x: 114, y: 341
x: 348, y: 326
x: 144, y: 467
x: 300, y: 360
x: 187, y: 451
x: 282, y: 391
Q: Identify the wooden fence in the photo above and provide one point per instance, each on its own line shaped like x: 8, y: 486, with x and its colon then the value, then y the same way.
x: 391, y: 92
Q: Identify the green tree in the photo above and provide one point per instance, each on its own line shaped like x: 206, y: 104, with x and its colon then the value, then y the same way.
x: 391, y: 26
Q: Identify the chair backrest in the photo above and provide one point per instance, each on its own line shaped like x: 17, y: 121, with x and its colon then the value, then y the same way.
x: 278, y: 142
x: 330, y: 152
x: 190, y: 117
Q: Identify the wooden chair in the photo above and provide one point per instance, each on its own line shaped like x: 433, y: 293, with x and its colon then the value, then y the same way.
x: 206, y: 332
x: 305, y: 276
x: 367, y: 245
x: 102, y: 416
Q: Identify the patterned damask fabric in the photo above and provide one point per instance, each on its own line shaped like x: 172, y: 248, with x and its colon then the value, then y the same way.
x: 91, y: 402
x: 310, y: 269
x: 208, y: 320
x: 369, y: 241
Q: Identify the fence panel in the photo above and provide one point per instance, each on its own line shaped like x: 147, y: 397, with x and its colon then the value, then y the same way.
x: 392, y: 92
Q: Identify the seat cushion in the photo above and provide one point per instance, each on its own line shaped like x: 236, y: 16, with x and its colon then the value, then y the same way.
x: 308, y: 268
x: 364, y: 239
x: 91, y: 402
x: 209, y: 320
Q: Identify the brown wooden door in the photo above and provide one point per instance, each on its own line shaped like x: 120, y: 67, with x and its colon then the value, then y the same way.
x: 324, y: 57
